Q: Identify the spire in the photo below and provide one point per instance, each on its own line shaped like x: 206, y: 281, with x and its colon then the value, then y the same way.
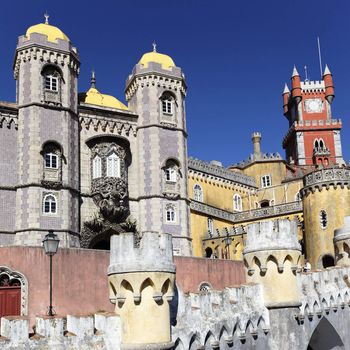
x: 326, y: 71
x: 295, y: 72
x: 286, y: 89
x: 154, y: 46
x: 46, y: 15
x: 93, y: 80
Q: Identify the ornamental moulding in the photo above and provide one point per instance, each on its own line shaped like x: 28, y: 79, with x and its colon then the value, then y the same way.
x: 9, y: 121
x: 114, y: 127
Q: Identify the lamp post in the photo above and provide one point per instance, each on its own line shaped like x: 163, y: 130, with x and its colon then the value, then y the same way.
x: 50, y: 244
x: 227, y: 240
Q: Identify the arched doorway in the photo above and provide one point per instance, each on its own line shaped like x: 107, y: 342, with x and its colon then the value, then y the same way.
x: 325, y: 337
x: 13, y: 293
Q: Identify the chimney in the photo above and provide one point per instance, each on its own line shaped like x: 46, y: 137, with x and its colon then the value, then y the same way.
x: 256, y: 138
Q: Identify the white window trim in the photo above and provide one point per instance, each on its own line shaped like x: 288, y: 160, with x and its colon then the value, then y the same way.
x: 113, y: 165
x: 96, y: 167
x: 51, y: 155
x: 198, y: 193
x: 172, y: 174
x: 264, y: 179
x: 170, y: 208
x: 49, y: 83
x: 55, y: 201
x: 237, y: 202
x: 210, y: 225
x: 169, y: 107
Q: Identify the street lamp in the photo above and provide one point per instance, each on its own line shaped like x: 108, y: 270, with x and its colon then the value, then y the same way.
x: 227, y: 240
x: 50, y: 244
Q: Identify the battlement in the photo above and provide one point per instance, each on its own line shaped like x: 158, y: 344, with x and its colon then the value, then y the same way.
x: 153, y: 253
x: 100, y: 331
x: 324, y: 291
x: 280, y: 234
x: 221, y: 317
x: 312, y: 86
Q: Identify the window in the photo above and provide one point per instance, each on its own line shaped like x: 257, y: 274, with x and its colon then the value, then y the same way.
x: 170, y: 174
x: 167, y: 106
x: 197, y: 193
x: 96, y: 168
x: 210, y: 226
x: 50, y: 204
x: 113, y: 165
x: 51, y: 160
x: 51, y: 82
x: 237, y: 202
x: 170, y: 214
x: 323, y: 219
x: 266, y: 181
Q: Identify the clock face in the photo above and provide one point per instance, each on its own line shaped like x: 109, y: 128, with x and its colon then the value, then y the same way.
x: 313, y: 105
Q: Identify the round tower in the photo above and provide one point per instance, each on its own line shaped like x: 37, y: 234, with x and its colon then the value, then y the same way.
x: 271, y: 256
x: 326, y: 200
x: 141, y: 278
x: 46, y: 69
x: 156, y: 91
x: 342, y: 243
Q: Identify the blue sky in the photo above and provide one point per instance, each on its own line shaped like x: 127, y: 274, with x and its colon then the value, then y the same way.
x: 236, y: 56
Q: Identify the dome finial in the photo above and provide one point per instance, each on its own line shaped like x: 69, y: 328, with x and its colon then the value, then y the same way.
x: 154, y: 46
x: 93, y: 79
x: 46, y: 15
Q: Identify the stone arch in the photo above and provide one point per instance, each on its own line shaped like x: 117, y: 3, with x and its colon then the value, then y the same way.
x: 194, y: 342
x: 15, y: 275
x: 209, y: 340
x: 179, y: 345
x: 146, y: 283
x: 325, y: 337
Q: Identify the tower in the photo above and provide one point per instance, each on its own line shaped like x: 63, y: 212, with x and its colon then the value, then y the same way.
x: 156, y: 92
x: 272, y: 257
x: 141, y: 279
x: 313, y: 136
x: 46, y: 69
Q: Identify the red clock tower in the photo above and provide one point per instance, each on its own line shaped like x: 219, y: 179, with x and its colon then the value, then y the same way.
x: 313, y: 137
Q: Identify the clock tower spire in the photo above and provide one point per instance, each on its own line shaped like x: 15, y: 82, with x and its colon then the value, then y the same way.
x: 313, y: 137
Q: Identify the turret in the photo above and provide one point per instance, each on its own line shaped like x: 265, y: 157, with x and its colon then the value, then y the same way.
x: 285, y: 95
x: 329, y: 87
x: 296, y: 86
x: 271, y: 255
x: 256, y: 138
x: 141, y: 279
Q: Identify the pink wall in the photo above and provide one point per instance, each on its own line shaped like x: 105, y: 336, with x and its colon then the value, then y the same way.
x: 80, y: 277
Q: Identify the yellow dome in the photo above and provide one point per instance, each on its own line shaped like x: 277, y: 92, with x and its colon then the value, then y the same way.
x: 53, y: 33
x: 165, y: 60
x: 94, y: 97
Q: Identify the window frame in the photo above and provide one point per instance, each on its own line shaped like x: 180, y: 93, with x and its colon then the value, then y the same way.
x: 210, y: 225
x: 113, y: 165
x: 237, y: 202
x: 171, y: 211
x: 96, y: 167
x: 198, y: 193
x: 168, y: 106
x: 51, y: 82
x: 48, y: 162
x: 266, y: 181
x: 50, y: 203
x: 171, y: 171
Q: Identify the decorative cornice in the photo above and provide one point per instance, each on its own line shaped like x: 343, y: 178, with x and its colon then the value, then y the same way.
x: 114, y: 126
x: 324, y: 179
x: 218, y: 171
x: 248, y: 215
x: 8, y: 120
x: 154, y: 79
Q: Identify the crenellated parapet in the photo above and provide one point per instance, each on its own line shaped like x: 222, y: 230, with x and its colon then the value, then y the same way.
x: 141, y: 278
x: 342, y: 243
x: 326, y: 178
x: 221, y: 318
x: 100, y: 331
x: 272, y: 257
x: 323, y: 292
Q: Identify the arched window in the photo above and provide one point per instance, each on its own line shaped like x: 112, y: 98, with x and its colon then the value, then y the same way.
x: 50, y: 204
x: 323, y: 219
x: 52, y: 80
x: 316, y: 144
x: 170, y: 213
x: 113, y: 165
x: 96, y: 167
x: 197, y: 193
x: 52, y: 155
x: 237, y: 202
x: 210, y: 226
x: 322, y: 145
x: 167, y: 107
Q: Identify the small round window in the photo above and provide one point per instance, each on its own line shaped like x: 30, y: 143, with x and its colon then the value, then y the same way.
x: 323, y: 219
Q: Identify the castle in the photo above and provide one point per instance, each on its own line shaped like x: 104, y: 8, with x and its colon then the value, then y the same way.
x: 106, y: 176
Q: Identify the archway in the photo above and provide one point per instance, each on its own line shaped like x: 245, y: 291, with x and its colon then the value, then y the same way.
x: 327, y: 261
x: 325, y: 337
